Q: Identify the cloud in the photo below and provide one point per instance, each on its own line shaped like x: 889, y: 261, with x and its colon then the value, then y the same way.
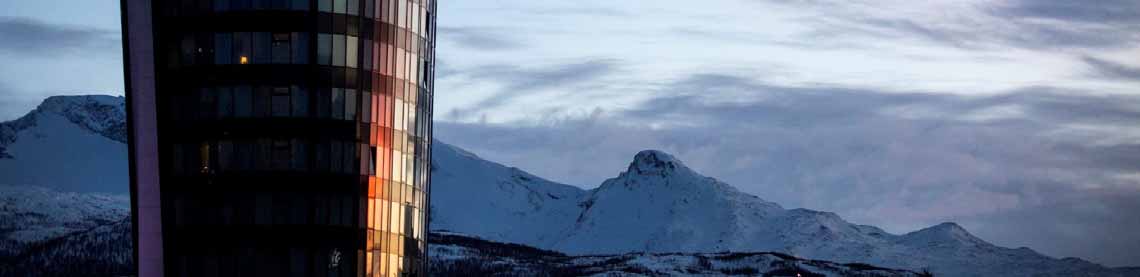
x: 33, y: 37
x: 580, y: 10
x: 1020, y: 24
x: 902, y: 160
x: 478, y: 38
x: 1111, y: 70
x: 516, y: 81
x: 1099, y: 12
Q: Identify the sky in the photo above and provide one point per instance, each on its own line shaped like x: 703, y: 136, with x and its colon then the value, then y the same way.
x: 1019, y: 120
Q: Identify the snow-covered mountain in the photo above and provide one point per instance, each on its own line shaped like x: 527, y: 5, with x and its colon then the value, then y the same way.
x: 70, y: 143
x: 659, y: 205
x: 497, y: 202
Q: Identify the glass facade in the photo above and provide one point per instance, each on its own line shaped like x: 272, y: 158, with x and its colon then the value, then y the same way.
x: 293, y: 135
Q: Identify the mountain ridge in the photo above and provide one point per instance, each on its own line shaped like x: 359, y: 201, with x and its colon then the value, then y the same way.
x: 657, y: 205
x: 650, y: 208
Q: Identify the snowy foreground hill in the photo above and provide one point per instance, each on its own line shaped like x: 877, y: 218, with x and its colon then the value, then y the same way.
x: 62, y: 164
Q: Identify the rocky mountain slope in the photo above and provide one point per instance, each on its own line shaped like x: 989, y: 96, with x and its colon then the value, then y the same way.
x: 70, y: 143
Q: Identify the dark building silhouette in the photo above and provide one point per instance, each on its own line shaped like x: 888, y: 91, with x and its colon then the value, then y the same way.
x: 279, y: 137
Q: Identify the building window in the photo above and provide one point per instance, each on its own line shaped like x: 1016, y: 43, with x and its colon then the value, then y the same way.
x: 261, y: 101
x: 223, y: 48
x: 187, y: 47
x: 243, y: 47
x: 300, y: 101
x: 300, y: 155
x: 261, y: 47
x: 225, y: 155
x: 367, y: 58
x: 324, y: 103
x: 336, y: 156
x: 325, y: 5
x: 203, y: 158
x: 324, y: 49
x: 340, y: 6
x: 351, y: 53
x: 366, y: 107
x: 281, y: 43
x: 338, y: 49
x: 350, y: 104
x: 280, y: 105
x: 300, y: 47
x: 205, y: 104
x: 263, y: 214
x: 281, y: 155
x: 354, y: 7
x: 243, y: 101
x: 337, y: 102
x: 225, y: 102
x: 300, y: 5
x: 369, y: 8
x: 263, y: 154
x: 221, y: 5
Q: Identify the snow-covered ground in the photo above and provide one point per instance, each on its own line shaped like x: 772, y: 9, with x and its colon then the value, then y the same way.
x: 459, y: 255
x: 31, y: 214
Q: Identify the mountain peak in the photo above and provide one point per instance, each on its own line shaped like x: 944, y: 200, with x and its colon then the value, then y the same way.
x: 654, y: 162
x: 944, y: 233
x: 101, y: 114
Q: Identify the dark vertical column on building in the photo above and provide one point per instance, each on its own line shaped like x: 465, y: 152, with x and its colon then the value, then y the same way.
x: 138, y: 64
x: 291, y: 137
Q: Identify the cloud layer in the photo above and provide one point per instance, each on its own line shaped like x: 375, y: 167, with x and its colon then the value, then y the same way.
x: 27, y: 36
x: 1017, y: 119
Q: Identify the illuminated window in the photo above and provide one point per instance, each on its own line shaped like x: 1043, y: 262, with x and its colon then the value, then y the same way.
x: 243, y: 46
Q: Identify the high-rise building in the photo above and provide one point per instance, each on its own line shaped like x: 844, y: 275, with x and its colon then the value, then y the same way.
x: 279, y: 137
